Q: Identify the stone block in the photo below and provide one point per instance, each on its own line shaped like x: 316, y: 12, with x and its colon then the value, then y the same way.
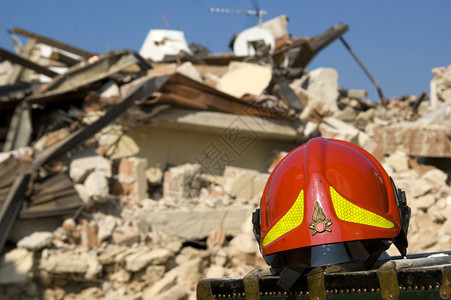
x: 245, y: 243
x: 414, y: 188
x: 121, y: 276
x: 436, y: 177
x: 322, y: 88
x: 154, y: 176
x: 154, y: 273
x: 413, y: 139
x: 36, y: 241
x: 86, y: 161
x: 244, y: 183
x: 132, y: 177
x: 169, y: 279
x: 177, y: 292
x: 72, y: 232
x: 106, y: 225
x: 162, y: 70
x: 195, y: 223
x: 125, y: 235
x: 187, y: 69
x: 215, y: 271
x: 88, y: 234
x: 423, y: 203
x: 182, y: 182
x: 84, y: 195
x: 16, y: 266
x: 70, y: 262
x: 245, y: 78
x: 145, y: 257
x: 333, y: 128
x: 398, y: 160
x: 97, y: 186
x: 348, y: 114
x: 425, y: 237
x: 189, y: 273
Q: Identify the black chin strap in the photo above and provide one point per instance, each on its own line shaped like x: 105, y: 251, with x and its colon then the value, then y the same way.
x: 372, y: 259
x: 288, y: 277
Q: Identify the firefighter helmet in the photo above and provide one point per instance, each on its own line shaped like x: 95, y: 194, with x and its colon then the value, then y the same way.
x: 329, y: 202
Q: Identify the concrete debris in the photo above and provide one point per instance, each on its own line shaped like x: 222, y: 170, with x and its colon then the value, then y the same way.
x: 150, y: 164
x: 182, y: 182
x: 321, y: 87
x: 16, y: 266
x: 58, y: 262
x: 441, y: 86
x: 145, y: 257
x: 235, y: 82
x: 36, y: 241
x: 130, y: 177
x: 190, y: 71
x: 190, y: 222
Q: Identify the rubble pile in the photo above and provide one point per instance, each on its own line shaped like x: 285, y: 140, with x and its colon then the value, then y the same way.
x: 127, y: 177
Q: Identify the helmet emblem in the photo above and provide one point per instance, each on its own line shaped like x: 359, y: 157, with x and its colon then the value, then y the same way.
x: 320, y: 223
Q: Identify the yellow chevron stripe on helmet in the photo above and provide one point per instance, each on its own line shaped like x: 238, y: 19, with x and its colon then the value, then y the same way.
x: 292, y: 219
x: 350, y: 212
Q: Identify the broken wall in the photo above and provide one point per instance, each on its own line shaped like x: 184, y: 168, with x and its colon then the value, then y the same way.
x: 213, y: 140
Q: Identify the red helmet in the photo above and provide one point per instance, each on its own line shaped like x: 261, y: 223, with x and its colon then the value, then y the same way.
x: 329, y: 202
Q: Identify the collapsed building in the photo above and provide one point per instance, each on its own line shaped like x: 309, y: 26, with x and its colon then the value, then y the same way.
x: 133, y: 175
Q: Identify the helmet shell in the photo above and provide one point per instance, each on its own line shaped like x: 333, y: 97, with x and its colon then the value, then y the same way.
x: 327, y: 191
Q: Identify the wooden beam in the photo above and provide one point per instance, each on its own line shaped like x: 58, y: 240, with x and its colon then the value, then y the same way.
x: 5, y: 54
x: 25, y: 52
x: 53, y: 43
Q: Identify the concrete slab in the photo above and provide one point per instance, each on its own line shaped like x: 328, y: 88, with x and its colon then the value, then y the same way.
x: 195, y: 223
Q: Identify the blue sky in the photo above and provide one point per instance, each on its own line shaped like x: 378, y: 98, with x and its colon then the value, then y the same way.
x: 399, y: 41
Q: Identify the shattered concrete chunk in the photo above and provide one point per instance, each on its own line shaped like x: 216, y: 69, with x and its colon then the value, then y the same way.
x: 154, y: 176
x: 182, y: 183
x: 72, y: 232
x: 399, y: 161
x: 322, y: 89
x: 414, y: 188
x: 195, y: 223
x: 169, y: 279
x: 144, y: 257
x: 245, y: 78
x: 36, y: 241
x: 436, y: 177
x: 106, y: 224
x: 215, y: 271
x: 177, y: 292
x: 190, y: 71
x: 245, y: 243
x: 131, y: 175
x: 68, y: 262
x: 440, y: 87
x: 154, y: 273
x: 413, y: 139
x: 125, y: 235
x: 97, y: 186
x: 333, y: 128
x: 16, y: 266
x: 85, y: 162
x: 84, y: 195
x: 423, y: 203
x: 243, y: 183
x: 121, y: 276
